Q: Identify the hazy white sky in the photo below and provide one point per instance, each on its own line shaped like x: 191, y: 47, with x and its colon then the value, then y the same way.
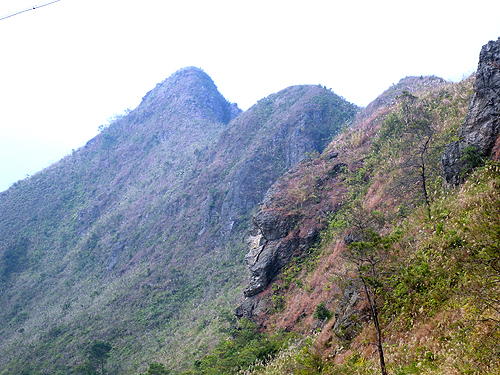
x: 67, y: 67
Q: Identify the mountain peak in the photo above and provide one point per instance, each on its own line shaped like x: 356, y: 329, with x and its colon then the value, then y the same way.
x: 413, y: 84
x: 191, y: 91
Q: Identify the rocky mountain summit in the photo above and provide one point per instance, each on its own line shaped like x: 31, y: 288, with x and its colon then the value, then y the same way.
x: 479, y: 135
x: 190, y: 90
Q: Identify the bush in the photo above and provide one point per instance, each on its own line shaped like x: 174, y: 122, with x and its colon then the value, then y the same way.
x: 471, y: 158
x: 156, y: 368
x: 243, y: 347
x: 321, y: 312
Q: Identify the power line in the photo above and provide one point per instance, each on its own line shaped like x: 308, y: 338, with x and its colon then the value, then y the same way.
x: 28, y: 9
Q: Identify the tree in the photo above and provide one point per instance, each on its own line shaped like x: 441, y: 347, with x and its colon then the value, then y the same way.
x: 156, y: 368
x: 14, y: 259
x: 99, y: 353
x: 107, y: 142
x: 418, y: 135
x: 367, y: 255
x: 408, y: 136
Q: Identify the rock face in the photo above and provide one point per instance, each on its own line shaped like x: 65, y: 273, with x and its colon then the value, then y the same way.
x: 274, y: 240
x: 482, y: 123
x: 281, y: 231
x: 268, y: 249
x: 451, y: 165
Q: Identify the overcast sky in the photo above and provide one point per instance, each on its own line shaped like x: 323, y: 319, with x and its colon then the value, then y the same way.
x: 69, y: 66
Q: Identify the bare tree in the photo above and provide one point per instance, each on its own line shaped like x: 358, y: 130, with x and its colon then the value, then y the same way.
x: 417, y: 139
x: 367, y: 255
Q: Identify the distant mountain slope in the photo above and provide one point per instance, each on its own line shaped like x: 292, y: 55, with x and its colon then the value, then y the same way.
x: 137, y: 238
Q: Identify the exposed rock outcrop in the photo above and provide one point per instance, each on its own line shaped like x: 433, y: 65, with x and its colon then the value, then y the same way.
x: 284, y: 229
x: 270, y: 248
x: 481, y: 126
x: 451, y: 165
x: 349, y: 314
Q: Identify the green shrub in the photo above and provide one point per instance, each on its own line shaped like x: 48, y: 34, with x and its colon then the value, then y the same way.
x: 471, y: 159
x: 322, y: 312
x: 156, y: 368
x: 244, y: 346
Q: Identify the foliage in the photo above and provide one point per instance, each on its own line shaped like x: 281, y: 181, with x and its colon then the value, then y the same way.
x: 98, y: 354
x: 370, y: 258
x: 14, y: 259
x: 471, y: 159
x: 321, y: 312
x: 87, y: 368
x: 412, y: 139
x: 300, y: 357
x: 244, y: 346
x: 156, y: 369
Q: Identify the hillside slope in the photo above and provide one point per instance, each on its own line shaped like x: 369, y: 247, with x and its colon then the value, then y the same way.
x: 137, y: 238
x: 404, y: 263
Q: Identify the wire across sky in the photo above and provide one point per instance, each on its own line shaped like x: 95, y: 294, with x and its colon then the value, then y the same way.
x: 28, y: 9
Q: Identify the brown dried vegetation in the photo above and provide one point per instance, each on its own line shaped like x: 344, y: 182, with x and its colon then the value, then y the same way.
x: 419, y: 340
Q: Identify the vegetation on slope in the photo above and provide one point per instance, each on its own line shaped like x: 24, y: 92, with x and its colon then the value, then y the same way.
x: 131, y: 264
x: 435, y: 250
x: 136, y: 240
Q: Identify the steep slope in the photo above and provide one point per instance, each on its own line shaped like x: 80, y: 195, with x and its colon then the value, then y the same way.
x: 300, y: 206
x: 411, y: 84
x: 136, y: 239
x: 265, y: 142
x: 89, y: 217
x: 402, y: 263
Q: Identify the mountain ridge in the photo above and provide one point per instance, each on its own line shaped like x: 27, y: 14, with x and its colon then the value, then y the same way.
x: 131, y: 233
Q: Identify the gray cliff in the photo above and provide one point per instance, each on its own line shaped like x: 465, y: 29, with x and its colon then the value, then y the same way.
x: 480, y: 130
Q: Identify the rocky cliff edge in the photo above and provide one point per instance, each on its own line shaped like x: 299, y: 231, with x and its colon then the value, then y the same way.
x: 479, y: 134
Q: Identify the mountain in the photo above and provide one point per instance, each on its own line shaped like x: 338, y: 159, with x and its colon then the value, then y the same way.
x: 136, y: 240
x: 402, y: 276
x: 345, y: 240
